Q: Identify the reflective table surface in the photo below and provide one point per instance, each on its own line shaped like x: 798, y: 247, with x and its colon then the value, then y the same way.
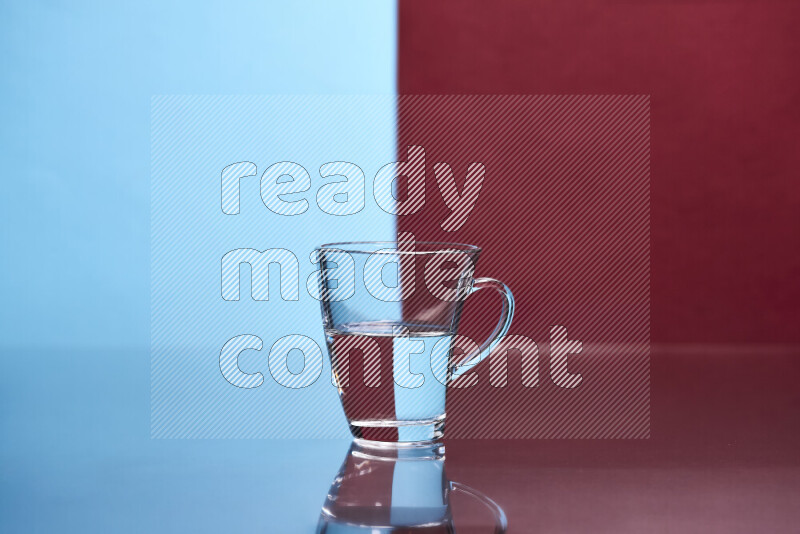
x: 723, y: 456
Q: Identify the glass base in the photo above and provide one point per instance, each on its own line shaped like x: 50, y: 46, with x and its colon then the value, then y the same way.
x: 398, y: 433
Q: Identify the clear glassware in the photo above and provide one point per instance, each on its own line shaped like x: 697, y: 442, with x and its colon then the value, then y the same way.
x: 396, y: 490
x: 390, y: 311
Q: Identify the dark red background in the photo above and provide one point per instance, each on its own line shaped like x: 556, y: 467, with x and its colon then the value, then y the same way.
x: 725, y: 124
x: 724, y: 80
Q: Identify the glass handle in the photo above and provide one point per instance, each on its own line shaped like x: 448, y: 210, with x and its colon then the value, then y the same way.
x: 500, y: 521
x: 506, y: 314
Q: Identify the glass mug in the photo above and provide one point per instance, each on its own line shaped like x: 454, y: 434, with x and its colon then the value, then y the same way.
x: 390, y: 311
x: 393, y: 490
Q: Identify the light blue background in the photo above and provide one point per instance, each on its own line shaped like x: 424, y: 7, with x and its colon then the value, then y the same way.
x: 194, y: 139
x: 77, y: 78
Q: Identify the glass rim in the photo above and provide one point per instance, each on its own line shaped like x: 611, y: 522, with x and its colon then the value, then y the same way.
x: 442, y: 247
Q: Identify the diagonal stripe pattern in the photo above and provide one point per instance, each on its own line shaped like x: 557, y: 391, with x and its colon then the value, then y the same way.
x: 201, y: 148
x: 562, y: 216
x: 554, y: 189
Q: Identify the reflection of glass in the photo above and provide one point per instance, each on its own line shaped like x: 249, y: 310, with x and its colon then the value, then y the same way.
x: 389, y: 490
x: 390, y: 340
